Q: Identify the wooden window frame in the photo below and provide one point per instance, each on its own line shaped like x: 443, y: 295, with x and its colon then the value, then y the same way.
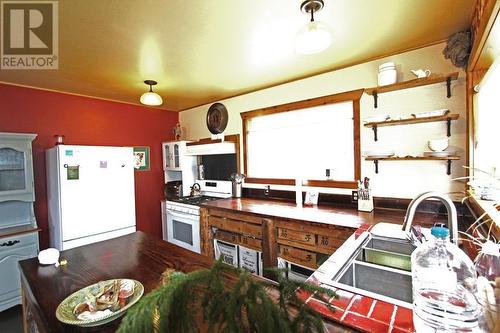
x: 353, y: 96
x: 485, y: 15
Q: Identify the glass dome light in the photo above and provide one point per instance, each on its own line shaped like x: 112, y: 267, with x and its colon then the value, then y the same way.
x: 151, y: 98
x: 315, y: 36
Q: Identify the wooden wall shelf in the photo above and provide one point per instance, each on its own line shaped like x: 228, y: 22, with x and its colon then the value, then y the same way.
x: 435, y: 78
x: 414, y: 158
x: 447, y: 117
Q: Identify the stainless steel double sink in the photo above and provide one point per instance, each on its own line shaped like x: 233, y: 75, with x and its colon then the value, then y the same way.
x: 379, y: 267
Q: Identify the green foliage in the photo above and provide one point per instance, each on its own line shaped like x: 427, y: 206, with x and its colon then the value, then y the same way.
x: 246, y: 306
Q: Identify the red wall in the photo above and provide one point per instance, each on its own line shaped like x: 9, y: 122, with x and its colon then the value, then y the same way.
x: 89, y: 121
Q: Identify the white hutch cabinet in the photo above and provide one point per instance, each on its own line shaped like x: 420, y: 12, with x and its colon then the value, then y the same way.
x: 18, y: 228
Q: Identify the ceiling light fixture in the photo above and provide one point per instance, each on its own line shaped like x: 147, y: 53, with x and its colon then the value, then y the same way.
x: 151, y: 98
x: 315, y: 36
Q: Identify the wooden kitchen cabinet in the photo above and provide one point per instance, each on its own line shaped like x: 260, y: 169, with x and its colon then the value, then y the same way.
x: 301, y: 242
x: 309, y: 243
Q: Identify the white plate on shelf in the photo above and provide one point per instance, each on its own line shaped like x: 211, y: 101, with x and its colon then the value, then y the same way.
x: 376, y: 119
x: 379, y: 153
x: 434, y: 113
x: 445, y: 153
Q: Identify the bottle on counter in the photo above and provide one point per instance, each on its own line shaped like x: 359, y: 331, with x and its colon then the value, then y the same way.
x: 488, y: 286
x: 444, y: 282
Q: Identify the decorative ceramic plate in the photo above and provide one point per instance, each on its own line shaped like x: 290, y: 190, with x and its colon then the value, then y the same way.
x: 217, y: 118
x: 434, y: 113
x: 64, y: 312
x: 380, y: 154
x: 376, y: 119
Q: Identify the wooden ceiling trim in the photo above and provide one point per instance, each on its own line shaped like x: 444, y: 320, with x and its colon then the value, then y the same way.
x: 352, y: 95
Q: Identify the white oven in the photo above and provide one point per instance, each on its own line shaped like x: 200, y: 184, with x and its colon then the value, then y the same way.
x: 181, y: 216
x: 183, y: 227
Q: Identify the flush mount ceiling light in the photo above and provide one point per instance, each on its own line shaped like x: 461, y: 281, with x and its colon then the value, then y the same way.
x: 315, y: 36
x: 151, y: 98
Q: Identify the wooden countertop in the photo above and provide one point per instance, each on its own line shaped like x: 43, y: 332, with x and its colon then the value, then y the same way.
x: 135, y: 256
x: 341, y: 215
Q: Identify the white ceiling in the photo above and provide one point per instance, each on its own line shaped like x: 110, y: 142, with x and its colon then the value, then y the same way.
x: 203, y: 51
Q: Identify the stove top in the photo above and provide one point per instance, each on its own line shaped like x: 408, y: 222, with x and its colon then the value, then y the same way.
x: 196, y: 201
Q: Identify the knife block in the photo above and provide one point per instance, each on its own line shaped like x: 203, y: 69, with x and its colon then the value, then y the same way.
x: 365, y: 205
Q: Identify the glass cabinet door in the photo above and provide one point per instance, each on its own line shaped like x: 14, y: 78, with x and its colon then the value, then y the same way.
x: 12, y: 170
x: 176, y: 156
x: 167, y: 156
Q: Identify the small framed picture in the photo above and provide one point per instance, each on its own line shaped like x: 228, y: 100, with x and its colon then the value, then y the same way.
x: 141, y: 158
x: 311, y: 198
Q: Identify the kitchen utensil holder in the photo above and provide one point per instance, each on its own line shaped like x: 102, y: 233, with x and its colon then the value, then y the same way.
x: 365, y: 205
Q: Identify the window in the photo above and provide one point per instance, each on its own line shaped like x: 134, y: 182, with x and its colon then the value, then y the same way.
x: 303, y: 140
x: 487, y: 118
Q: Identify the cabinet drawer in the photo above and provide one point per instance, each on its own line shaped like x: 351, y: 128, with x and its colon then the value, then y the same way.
x: 224, y: 224
x: 298, y: 256
x: 227, y: 236
x: 252, y: 230
x: 9, y: 269
x: 18, y: 241
x: 251, y: 242
x: 239, y: 227
x: 235, y: 216
x: 328, y: 243
x: 297, y: 236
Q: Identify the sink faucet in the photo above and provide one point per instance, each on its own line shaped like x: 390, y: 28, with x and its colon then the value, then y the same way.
x: 450, y: 208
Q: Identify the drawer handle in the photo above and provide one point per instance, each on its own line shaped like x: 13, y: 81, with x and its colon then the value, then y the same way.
x: 10, y: 243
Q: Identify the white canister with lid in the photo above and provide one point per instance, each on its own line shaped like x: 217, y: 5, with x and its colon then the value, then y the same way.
x: 387, y: 74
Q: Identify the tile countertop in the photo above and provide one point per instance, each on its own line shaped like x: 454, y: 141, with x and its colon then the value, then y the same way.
x: 336, y: 214
x: 353, y: 310
x: 359, y: 311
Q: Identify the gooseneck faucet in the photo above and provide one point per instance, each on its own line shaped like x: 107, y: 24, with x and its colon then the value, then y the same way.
x: 450, y: 208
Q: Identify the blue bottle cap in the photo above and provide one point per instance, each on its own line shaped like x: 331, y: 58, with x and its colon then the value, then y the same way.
x: 440, y: 232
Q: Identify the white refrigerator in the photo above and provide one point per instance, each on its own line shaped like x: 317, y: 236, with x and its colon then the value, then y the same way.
x: 90, y: 194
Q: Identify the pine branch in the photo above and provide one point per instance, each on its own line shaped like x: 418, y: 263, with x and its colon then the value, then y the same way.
x: 245, y: 306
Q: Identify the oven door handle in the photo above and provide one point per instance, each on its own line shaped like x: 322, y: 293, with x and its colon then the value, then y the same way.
x: 174, y: 213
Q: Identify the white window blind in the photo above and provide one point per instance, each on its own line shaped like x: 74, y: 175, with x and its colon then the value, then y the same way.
x: 302, y: 143
x: 487, y: 120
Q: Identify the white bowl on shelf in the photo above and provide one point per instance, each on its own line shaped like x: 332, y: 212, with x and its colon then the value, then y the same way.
x: 438, y: 144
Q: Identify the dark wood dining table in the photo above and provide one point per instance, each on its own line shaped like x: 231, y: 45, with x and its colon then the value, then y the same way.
x: 136, y: 256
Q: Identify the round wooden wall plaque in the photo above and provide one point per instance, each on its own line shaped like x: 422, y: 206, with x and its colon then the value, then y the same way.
x: 217, y: 118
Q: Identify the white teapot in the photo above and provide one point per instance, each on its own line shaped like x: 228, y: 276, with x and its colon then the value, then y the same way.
x: 420, y: 73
